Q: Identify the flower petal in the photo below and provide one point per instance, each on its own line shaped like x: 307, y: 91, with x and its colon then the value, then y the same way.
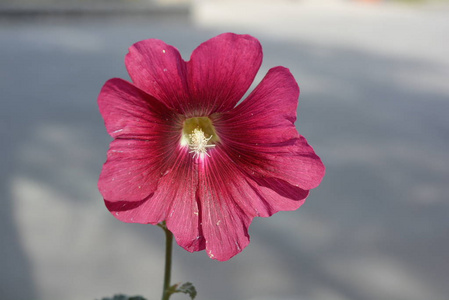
x: 184, y: 217
x: 230, y: 199
x: 225, y: 217
x: 146, y: 211
x: 158, y: 69
x: 260, y: 135
x: 129, y: 112
x: 174, y: 201
x: 146, y: 132
x: 276, y: 195
x: 174, y: 188
x: 131, y: 171
x: 221, y: 70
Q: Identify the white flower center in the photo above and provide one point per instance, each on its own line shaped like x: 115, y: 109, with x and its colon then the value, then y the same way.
x: 198, y: 142
x: 199, y: 135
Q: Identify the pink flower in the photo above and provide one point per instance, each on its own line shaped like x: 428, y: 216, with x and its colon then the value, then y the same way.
x: 185, y: 152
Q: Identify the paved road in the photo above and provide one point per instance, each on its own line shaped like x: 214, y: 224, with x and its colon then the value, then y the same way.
x: 374, y: 103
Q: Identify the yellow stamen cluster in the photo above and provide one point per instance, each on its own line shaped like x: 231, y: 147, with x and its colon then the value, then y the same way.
x: 198, y: 142
x: 199, y: 135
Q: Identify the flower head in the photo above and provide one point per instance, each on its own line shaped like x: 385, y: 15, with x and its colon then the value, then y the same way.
x: 185, y: 152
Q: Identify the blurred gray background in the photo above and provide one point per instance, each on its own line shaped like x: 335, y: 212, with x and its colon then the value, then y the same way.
x: 374, y: 103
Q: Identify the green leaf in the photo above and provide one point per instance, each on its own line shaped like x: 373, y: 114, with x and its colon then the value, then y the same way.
x: 186, y: 288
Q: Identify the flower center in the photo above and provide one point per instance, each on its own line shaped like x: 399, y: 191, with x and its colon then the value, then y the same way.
x: 199, y: 134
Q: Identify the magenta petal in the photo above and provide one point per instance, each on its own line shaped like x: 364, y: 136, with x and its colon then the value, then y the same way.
x: 174, y: 201
x: 297, y: 164
x: 131, y: 172
x: 146, y: 131
x: 260, y: 135
x: 225, y: 213
x: 230, y: 199
x: 184, y: 217
x: 158, y: 69
x: 156, y: 207
x: 146, y: 211
x: 221, y: 70
x: 169, y: 202
x: 129, y: 112
x: 276, y: 195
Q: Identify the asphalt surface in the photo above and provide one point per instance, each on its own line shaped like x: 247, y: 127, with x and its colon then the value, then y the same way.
x: 374, y: 104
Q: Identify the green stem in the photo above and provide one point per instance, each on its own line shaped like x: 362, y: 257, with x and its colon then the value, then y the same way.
x: 168, y: 257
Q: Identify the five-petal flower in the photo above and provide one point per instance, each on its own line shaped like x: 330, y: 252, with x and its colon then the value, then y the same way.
x: 185, y: 152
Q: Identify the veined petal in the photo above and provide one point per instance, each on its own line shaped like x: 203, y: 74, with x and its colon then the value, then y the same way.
x: 133, y: 168
x: 129, y: 112
x: 146, y: 132
x: 159, y: 70
x: 230, y: 199
x: 225, y: 217
x: 260, y: 136
x: 146, y: 211
x: 221, y: 70
x: 275, y: 195
x: 174, y: 201
x: 184, y: 217
x: 178, y: 183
